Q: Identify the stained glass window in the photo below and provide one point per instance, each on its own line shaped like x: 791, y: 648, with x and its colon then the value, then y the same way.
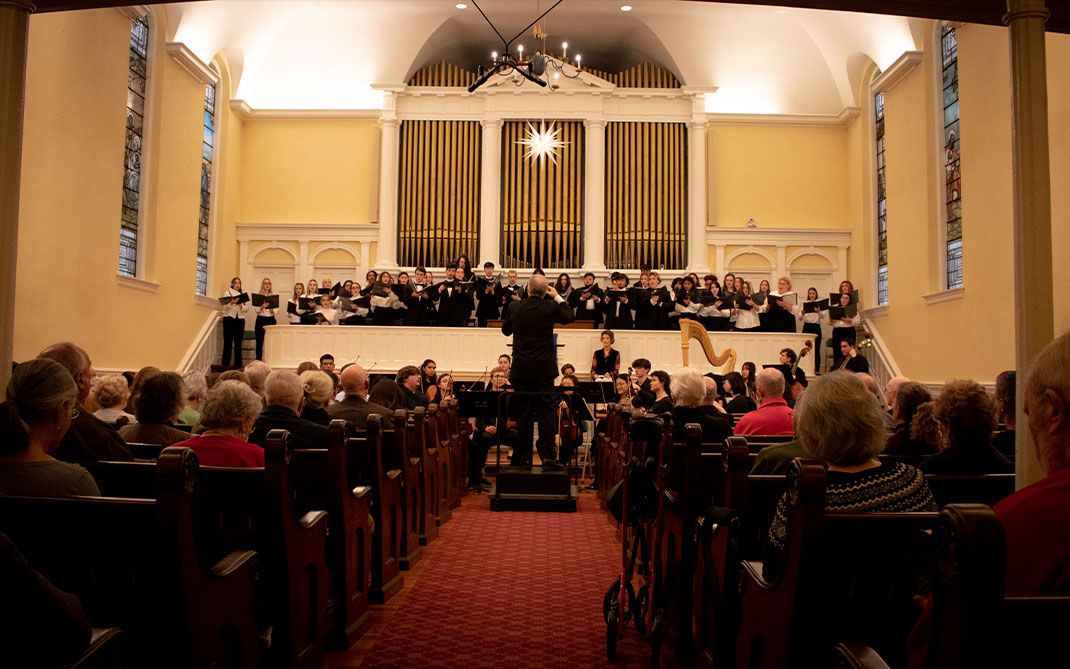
x: 882, y: 202
x: 135, y: 123
x: 952, y: 159
x: 205, y: 209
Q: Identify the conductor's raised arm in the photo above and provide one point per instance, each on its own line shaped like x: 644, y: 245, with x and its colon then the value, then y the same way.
x: 565, y: 314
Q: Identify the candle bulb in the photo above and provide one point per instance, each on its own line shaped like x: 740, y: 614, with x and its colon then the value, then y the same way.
x: 564, y: 51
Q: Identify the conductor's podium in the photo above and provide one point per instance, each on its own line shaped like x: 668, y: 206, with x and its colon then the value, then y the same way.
x: 533, y: 489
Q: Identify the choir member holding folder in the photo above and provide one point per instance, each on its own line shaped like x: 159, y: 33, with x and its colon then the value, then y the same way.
x: 746, y: 309
x: 781, y: 307
x: 587, y: 300
x: 234, y: 305
x: 716, y: 310
x: 810, y: 314
x: 843, y: 317
x: 619, y: 305
x: 293, y: 307
x: 488, y: 295
x: 266, y: 303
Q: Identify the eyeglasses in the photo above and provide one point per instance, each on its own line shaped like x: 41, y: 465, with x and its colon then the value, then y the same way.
x: 74, y: 412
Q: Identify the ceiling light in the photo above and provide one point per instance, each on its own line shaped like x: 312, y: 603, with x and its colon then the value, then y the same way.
x: 461, y: 5
x: 625, y: 8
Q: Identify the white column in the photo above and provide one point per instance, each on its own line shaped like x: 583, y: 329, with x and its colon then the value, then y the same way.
x: 719, y: 259
x: 389, y: 143
x: 697, y: 255
x: 14, y: 32
x: 302, y: 262
x: 594, y: 196
x: 490, y: 199
x: 781, y: 263
x: 365, y: 258
x: 245, y: 270
x: 1033, y: 325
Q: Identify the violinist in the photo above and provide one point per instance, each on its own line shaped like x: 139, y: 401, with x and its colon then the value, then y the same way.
x: 429, y: 381
x: 568, y: 435
x: 445, y: 387
x: 587, y: 300
x: 489, y: 296
x: 487, y: 435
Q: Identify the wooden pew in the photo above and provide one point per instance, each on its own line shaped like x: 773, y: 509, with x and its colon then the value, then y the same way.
x: 144, y: 451
x: 398, y: 454
x: 322, y: 481
x: 844, y: 577
x: 138, y: 563
x: 986, y: 489
x: 975, y: 624
x: 458, y: 448
x: 428, y: 527
x: 366, y: 462
x: 444, y: 477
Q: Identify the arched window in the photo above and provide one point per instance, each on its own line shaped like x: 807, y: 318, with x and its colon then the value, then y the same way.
x: 951, y: 159
x: 208, y: 143
x: 137, y: 87
x: 881, y: 199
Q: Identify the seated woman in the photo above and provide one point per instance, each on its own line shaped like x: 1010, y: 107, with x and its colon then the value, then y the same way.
x: 445, y: 387
x: 157, y: 403
x: 605, y: 363
x: 42, y: 399
x: 735, y: 390
x: 968, y: 416
x: 660, y: 383
x: 196, y: 389
x: 319, y: 388
x: 905, y: 441
x: 839, y: 422
x: 690, y: 393
x: 227, y: 419
x: 111, y: 392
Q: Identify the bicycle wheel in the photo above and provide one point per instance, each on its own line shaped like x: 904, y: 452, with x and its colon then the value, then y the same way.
x: 611, y: 599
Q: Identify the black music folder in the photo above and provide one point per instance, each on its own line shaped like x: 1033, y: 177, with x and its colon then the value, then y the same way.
x: 291, y: 308
x: 270, y: 301
x: 308, y: 303
x: 815, y: 306
x: 478, y: 403
x: 837, y: 312
x: 239, y: 299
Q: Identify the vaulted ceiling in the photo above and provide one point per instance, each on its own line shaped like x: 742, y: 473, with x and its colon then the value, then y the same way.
x: 328, y: 54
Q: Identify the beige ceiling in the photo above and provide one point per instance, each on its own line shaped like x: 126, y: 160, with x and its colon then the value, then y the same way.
x: 328, y: 54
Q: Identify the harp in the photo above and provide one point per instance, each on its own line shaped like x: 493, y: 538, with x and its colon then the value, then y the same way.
x: 692, y: 329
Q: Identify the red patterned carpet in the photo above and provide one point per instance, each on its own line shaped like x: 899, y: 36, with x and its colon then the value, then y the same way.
x: 511, y: 589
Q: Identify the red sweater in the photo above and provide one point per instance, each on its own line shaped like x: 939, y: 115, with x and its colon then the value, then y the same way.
x: 217, y: 451
x: 773, y: 417
x: 1036, y: 521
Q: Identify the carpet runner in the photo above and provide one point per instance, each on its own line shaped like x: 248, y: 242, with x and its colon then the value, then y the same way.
x: 512, y: 589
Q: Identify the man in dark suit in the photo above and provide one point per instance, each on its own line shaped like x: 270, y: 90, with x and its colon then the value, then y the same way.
x: 284, y: 395
x: 531, y: 322
x: 354, y: 408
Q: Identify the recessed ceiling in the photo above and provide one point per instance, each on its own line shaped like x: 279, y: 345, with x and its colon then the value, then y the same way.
x: 328, y: 54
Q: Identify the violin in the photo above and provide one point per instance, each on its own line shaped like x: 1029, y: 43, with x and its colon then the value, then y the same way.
x: 567, y: 430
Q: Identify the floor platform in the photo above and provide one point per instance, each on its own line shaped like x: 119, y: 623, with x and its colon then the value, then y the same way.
x: 533, y: 489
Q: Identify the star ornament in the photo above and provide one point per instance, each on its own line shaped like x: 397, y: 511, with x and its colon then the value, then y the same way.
x: 542, y: 143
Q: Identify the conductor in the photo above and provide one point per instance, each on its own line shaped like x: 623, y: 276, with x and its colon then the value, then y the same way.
x: 531, y: 322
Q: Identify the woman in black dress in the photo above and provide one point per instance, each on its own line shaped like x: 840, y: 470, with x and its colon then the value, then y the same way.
x: 749, y: 372
x: 606, y: 360
x: 735, y: 389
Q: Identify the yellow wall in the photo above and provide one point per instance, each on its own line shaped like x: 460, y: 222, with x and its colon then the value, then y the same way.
x: 72, y: 173
x: 972, y: 336
x: 308, y: 170
x: 781, y: 176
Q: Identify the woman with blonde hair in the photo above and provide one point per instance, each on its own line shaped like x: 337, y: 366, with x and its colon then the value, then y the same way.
x: 111, y: 392
x: 319, y: 388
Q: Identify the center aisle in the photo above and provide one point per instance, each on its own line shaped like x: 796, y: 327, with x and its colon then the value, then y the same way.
x: 509, y: 589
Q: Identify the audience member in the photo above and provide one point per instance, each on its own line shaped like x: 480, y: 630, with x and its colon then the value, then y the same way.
x: 195, y: 387
x: 695, y: 404
x: 227, y: 418
x: 840, y: 424
x: 284, y: 395
x: 41, y: 400
x: 257, y: 371
x: 158, y: 402
x: 773, y: 415
x: 908, y: 398
x: 319, y: 389
x: 235, y: 375
x: 40, y: 625
x: 871, y: 386
x: 1035, y: 519
x: 111, y: 392
x: 306, y: 366
x: 1005, y: 408
x: 968, y: 415
x: 135, y: 384
x: 89, y: 439
x: 890, y: 390
x: 354, y: 408
x: 327, y: 363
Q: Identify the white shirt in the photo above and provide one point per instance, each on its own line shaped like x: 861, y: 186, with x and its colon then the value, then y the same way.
x: 264, y: 310
x: 234, y: 310
x: 330, y: 313
x: 296, y: 318
x: 747, y: 318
